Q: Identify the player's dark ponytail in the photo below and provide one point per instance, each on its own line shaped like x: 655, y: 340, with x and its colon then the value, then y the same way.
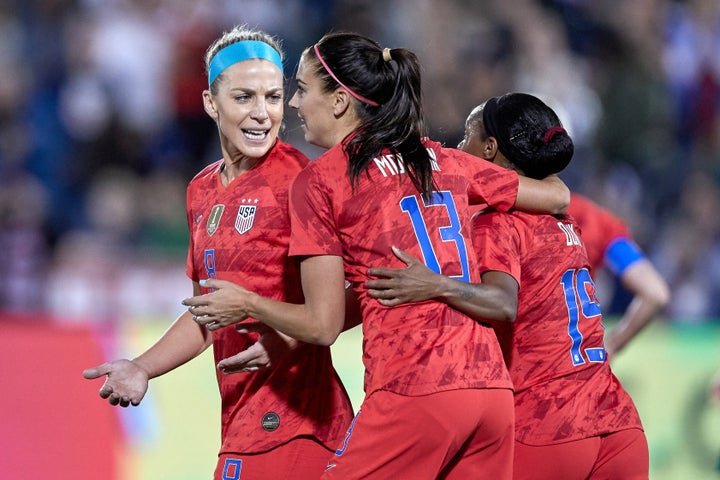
x: 387, y: 84
x: 528, y: 133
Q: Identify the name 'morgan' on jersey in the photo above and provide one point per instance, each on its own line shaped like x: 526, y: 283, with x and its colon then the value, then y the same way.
x: 394, y: 165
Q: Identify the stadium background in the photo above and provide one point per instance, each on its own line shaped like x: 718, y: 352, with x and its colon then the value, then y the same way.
x: 101, y: 127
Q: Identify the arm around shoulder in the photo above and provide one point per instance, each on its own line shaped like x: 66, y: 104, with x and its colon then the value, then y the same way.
x: 493, y: 299
x: 549, y: 195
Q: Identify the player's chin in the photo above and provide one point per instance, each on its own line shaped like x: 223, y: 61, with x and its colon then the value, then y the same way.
x: 314, y: 139
x: 258, y: 149
x: 308, y: 135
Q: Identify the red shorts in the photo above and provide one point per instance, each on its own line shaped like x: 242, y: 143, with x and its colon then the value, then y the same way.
x: 622, y: 454
x: 457, y: 434
x: 300, y: 458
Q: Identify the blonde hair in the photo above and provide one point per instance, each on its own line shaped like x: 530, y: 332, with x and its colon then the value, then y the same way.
x: 239, y: 33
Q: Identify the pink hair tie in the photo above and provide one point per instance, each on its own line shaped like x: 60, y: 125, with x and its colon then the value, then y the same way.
x: 550, y: 133
x: 356, y: 95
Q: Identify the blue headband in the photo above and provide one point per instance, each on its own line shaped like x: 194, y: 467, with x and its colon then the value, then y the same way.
x: 240, y: 51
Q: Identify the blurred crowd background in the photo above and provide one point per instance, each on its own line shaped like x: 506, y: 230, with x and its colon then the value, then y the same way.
x: 102, y: 126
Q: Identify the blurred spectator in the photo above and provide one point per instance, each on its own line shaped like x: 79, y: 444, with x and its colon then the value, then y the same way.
x: 637, y: 82
x: 691, y: 58
x: 22, y: 241
x: 163, y: 231
x: 687, y: 252
x: 90, y: 262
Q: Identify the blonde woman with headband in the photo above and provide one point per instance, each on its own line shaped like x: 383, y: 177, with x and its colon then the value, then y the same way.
x: 284, y: 409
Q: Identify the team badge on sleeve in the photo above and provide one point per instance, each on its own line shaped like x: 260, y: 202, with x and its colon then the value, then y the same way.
x: 245, y: 216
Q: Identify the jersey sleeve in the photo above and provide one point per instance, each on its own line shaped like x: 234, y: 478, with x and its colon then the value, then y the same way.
x: 497, y: 243
x: 600, y: 229
x: 189, y: 264
x: 489, y: 183
x: 312, y: 226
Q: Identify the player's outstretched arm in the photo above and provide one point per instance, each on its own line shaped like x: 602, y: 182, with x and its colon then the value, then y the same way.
x: 549, y: 195
x: 126, y: 381
x: 319, y: 320
x: 650, y: 295
x: 273, y: 345
x: 494, y: 299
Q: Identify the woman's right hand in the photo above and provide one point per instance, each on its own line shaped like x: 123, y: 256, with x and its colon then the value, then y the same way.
x: 126, y: 382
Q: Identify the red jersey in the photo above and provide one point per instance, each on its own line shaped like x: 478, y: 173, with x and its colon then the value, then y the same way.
x: 564, y: 388
x: 240, y: 233
x: 607, y: 238
x: 424, y: 347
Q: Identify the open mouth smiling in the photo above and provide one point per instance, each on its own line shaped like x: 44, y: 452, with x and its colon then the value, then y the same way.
x: 255, y: 134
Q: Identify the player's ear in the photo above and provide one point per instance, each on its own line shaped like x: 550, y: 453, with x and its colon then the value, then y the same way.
x: 209, y: 105
x: 490, y: 148
x: 341, y: 101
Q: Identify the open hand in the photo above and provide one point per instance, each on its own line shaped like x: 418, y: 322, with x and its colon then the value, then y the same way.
x: 126, y: 382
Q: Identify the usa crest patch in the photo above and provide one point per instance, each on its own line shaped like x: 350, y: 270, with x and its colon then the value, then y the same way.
x: 245, y: 218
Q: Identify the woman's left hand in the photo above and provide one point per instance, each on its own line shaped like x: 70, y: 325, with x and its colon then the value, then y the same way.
x: 225, y: 305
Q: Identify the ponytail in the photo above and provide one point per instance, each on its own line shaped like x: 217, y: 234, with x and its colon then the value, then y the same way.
x: 386, y: 83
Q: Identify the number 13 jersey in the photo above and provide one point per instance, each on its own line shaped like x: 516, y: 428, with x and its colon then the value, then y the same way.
x: 419, y: 348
